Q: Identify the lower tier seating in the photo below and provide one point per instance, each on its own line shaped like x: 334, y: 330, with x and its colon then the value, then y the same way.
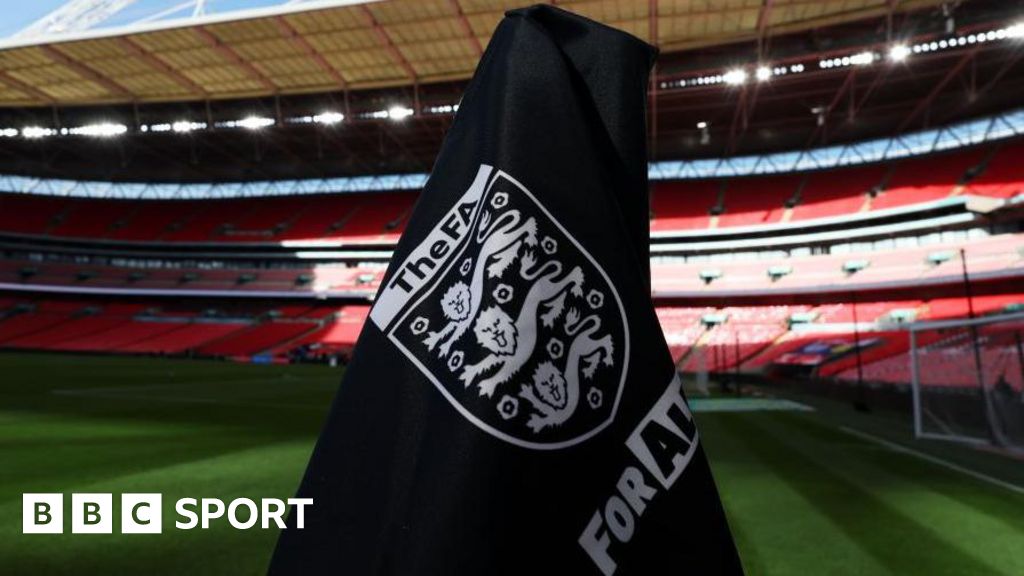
x: 819, y: 340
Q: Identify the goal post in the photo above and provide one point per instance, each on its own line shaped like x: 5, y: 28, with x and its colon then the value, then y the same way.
x: 967, y: 380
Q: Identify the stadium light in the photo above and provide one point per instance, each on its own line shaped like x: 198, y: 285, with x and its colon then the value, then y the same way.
x: 735, y: 77
x: 252, y: 122
x: 763, y: 73
x: 100, y: 130
x: 34, y: 132
x: 862, y: 58
x: 328, y: 118
x: 186, y: 126
x: 398, y: 113
x: 8, y: 132
x: 445, y: 109
x: 1015, y: 31
x: 899, y: 53
x: 702, y: 125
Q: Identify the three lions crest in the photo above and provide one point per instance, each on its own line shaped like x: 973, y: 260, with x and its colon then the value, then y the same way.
x: 517, y: 325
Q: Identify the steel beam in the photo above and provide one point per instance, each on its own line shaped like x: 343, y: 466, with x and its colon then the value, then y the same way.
x: 289, y: 32
x: 229, y: 54
x: 388, y: 44
x: 926, y: 102
x: 154, y: 61
x: 83, y: 70
x: 467, y: 29
x: 13, y: 82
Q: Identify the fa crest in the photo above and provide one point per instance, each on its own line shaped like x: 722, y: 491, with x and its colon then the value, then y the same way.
x: 511, y: 318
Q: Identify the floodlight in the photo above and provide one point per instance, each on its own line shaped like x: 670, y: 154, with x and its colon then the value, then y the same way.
x: 36, y: 132
x: 735, y: 77
x: 100, y: 130
x: 399, y: 113
x: 328, y: 118
x: 254, y: 122
x: 899, y: 53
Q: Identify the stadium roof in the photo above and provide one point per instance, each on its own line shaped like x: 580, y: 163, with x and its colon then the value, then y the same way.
x: 871, y: 75
x: 341, y: 45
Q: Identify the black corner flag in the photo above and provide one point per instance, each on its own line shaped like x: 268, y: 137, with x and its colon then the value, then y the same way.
x: 511, y: 406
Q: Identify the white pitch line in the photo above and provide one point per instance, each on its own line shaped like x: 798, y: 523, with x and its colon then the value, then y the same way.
x: 934, y: 460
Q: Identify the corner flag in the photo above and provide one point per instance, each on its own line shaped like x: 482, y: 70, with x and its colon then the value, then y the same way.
x: 511, y: 406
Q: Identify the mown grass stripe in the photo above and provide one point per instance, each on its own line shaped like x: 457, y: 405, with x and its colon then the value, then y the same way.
x: 896, y: 540
x: 772, y: 523
x: 934, y: 460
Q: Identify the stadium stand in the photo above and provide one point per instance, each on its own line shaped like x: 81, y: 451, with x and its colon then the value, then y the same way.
x: 357, y: 218
x: 836, y: 192
x: 1003, y: 177
x: 174, y: 327
x: 989, y: 257
x: 764, y: 333
x: 683, y: 205
x: 379, y: 218
x: 760, y: 200
x: 920, y: 180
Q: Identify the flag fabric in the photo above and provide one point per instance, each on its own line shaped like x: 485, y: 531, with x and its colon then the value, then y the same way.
x: 511, y: 406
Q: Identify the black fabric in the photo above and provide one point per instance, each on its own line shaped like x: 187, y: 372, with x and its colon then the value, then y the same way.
x: 403, y: 481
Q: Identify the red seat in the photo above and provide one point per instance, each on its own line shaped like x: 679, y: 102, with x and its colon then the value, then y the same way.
x: 1004, y: 175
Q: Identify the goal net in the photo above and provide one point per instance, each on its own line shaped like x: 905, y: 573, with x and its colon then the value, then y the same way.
x: 967, y: 378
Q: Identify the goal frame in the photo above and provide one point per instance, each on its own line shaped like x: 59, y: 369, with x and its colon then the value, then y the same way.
x: 915, y: 383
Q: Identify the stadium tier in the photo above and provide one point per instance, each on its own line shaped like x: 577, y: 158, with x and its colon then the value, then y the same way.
x: 370, y: 218
x: 816, y: 338
x: 794, y: 248
x: 379, y: 218
x: 997, y: 257
x: 172, y: 328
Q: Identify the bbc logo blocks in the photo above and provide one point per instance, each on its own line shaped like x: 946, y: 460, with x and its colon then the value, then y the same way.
x: 91, y: 513
x: 42, y: 513
x: 141, y: 514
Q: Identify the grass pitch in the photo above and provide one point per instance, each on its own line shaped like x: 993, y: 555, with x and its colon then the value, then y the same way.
x: 803, y: 495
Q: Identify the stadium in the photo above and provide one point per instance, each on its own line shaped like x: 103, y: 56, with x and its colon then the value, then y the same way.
x: 199, y: 202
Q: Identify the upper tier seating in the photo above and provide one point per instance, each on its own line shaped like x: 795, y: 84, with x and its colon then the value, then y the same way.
x: 683, y: 205
x: 839, y: 192
x: 918, y: 180
x: 1003, y: 177
x: 675, y: 206
x: 758, y: 200
x: 357, y: 218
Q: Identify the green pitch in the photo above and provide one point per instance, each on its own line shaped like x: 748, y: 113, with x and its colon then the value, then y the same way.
x: 803, y: 495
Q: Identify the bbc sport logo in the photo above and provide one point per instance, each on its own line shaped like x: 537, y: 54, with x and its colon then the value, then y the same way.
x: 143, y: 513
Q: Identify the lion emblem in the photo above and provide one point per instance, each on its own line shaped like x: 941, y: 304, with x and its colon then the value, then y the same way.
x: 455, y: 304
x: 550, y: 385
x: 495, y: 331
x: 543, y: 304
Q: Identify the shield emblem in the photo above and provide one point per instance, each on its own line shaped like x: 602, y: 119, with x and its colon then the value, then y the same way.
x: 511, y: 318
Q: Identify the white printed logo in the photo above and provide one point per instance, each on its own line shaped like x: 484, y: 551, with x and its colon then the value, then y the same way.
x: 513, y: 321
